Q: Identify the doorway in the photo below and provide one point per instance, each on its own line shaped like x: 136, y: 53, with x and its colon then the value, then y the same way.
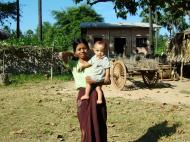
x: 119, y: 46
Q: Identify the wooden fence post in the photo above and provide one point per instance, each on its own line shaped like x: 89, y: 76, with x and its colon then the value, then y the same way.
x: 52, y: 61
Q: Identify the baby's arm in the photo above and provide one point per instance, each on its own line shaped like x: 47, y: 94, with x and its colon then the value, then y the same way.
x: 107, y: 71
x: 107, y: 76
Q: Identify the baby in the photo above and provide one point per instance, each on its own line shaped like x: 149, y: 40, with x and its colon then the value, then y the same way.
x: 99, y: 70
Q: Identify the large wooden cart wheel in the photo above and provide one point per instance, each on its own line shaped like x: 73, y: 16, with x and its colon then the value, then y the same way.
x: 119, y: 74
x: 150, y: 78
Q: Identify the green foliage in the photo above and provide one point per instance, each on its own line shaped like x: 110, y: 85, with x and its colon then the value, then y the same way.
x: 162, y: 40
x: 7, y: 10
x: 20, y: 79
x: 60, y: 34
x: 27, y: 39
x: 168, y: 12
x: 24, y: 78
x: 67, y: 26
x: 124, y: 7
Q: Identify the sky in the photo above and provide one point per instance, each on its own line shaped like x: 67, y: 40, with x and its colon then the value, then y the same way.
x: 29, y: 12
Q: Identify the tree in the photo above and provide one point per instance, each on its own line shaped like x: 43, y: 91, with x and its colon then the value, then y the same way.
x: 123, y: 7
x: 18, y: 19
x: 167, y: 19
x: 67, y: 25
x: 49, y: 33
x: 7, y: 10
x: 162, y: 40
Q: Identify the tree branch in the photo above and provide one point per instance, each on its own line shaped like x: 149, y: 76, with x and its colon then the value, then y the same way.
x: 97, y: 1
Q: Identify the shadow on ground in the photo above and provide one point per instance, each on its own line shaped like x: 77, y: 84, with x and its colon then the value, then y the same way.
x: 157, y: 131
x: 141, y: 85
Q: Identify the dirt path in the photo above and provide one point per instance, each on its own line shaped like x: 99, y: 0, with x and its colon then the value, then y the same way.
x: 171, y: 92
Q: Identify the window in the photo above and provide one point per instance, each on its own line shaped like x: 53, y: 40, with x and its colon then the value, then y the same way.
x: 141, y: 42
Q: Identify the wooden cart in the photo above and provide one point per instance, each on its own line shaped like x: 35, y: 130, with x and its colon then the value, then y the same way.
x: 122, y: 68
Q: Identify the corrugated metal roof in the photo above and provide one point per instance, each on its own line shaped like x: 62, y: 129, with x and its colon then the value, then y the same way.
x: 115, y: 25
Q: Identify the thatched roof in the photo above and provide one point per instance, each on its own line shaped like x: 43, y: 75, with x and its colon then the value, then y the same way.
x: 187, y: 31
x: 179, y: 47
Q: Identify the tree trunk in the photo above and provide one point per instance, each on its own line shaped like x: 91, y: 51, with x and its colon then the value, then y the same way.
x: 157, y: 34
x: 18, y: 19
x: 151, y: 30
x: 40, y: 20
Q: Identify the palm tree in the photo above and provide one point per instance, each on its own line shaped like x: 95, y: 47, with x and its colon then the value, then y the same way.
x: 40, y: 20
x: 17, y: 19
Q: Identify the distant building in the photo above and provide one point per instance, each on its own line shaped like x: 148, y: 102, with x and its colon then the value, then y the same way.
x: 124, y: 39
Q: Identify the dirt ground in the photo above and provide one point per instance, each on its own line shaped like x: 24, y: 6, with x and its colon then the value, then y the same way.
x: 171, y: 92
x: 45, y: 111
x: 167, y: 92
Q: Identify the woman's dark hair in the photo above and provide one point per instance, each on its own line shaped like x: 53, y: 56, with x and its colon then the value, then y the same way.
x: 78, y: 41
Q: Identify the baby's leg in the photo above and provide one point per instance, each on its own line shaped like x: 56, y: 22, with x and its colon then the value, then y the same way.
x: 87, y: 92
x: 99, y: 91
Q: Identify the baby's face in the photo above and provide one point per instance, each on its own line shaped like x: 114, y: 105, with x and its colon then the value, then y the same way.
x: 99, y: 50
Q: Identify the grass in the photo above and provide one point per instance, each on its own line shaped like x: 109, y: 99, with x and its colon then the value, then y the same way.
x: 45, y: 111
x: 20, y: 79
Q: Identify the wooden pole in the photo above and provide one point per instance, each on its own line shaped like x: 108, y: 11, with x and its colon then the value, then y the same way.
x: 40, y: 20
x: 52, y: 62
x: 18, y: 19
x: 156, y: 48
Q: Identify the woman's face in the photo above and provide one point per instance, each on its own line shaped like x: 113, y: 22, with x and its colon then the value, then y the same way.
x: 81, y: 51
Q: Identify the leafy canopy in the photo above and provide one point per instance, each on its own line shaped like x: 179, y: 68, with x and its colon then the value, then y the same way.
x: 123, y: 7
x: 67, y: 25
x: 62, y: 32
x: 7, y: 10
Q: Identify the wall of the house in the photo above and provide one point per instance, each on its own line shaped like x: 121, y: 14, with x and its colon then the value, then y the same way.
x: 129, y: 34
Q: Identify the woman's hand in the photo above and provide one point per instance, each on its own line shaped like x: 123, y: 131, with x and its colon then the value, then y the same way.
x: 65, y: 56
x: 80, y: 68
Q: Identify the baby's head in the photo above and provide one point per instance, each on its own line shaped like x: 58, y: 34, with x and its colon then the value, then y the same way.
x: 99, y: 48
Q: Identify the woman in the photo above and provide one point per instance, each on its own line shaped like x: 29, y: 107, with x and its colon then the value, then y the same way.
x: 92, y: 116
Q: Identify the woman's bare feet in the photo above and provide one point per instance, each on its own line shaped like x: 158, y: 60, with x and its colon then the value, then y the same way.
x: 85, y: 97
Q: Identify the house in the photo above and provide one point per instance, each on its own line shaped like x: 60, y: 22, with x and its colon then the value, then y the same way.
x: 124, y: 39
